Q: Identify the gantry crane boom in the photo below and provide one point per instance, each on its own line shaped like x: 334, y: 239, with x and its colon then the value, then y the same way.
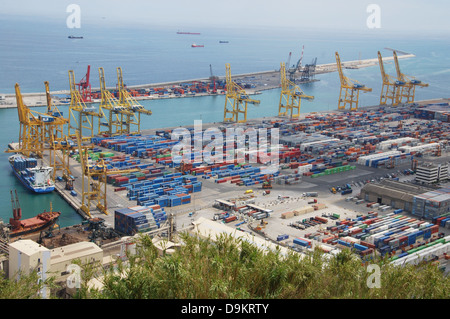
x: 408, y: 90
x: 349, y: 93
x: 390, y: 87
x: 290, y: 97
x: 237, y: 98
x: 134, y: 108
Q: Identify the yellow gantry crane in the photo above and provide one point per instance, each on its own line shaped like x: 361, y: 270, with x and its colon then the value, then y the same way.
x: 94, y: 190
x: 55, y: 140
x: 94, y: 181
x: 41, y: 132
x: 391, y: 88
x: 237, y: 99
x: 81, y: 115
x: 31, y: 131
x: 116, y: 111
x: 290, y: 97
x: 349, y: 94
x: 132, y: 105
x: 408, y: 90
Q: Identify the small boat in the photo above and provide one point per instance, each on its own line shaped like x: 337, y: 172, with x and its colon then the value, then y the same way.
x: 197, y: 45
x: 223, y: 41
x: 74, y: 37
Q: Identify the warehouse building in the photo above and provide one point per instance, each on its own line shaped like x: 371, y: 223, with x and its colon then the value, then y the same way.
x: 432, y: 204
x: 395, y: 194
x: 429, y: 173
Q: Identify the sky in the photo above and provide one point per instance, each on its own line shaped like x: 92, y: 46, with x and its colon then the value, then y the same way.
x: 394, y: 16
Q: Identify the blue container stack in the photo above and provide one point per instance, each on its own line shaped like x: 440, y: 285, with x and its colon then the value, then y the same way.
x: 130, y: 221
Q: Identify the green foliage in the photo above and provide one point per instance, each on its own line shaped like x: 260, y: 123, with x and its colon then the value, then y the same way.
x: 27, y: 286
x: 234, y: 268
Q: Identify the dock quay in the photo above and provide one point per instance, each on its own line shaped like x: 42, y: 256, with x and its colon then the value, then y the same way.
x: 263, y: 80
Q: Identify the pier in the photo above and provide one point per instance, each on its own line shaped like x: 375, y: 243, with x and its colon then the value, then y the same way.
x: 266, y: 80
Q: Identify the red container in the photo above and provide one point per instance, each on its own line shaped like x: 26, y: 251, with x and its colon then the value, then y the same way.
x: 230, y: 219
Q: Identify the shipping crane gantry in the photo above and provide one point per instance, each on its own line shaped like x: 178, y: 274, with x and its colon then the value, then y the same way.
x: 57, y: 142
x: 81, y: 116
x: 94, y: 191
x: 117, y: 113
x: 84, y: 86
x: 37, y: 130
x: 410, y: 83
x: 31, y: 130
x: 134, y: 108
x: 94, y: 181
x: 349, y: 93
x: 290, y: 97
x: 237, y: 99
x: 292, y: 71
x: 390, y: 88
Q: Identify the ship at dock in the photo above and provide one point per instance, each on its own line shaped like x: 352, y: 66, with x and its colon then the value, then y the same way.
x: 18, y: 227
x: 36, y: 179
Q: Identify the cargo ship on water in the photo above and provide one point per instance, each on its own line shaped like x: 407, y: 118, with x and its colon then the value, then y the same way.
x: 74, y: 37
x: 195, y: 33
x: 29, y: 226
x: 34, y: 178
x: 197, y: 45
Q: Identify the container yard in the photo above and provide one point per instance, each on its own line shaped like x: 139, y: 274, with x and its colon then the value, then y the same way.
x: 324, y: 158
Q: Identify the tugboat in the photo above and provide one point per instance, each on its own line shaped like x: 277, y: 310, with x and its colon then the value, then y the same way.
x: 31, y: 225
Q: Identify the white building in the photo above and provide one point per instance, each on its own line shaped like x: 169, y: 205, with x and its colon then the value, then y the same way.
x: 26, y: 256
x: 431, y: 173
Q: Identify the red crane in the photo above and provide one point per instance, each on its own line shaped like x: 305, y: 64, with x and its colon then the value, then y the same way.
x: 17, y: 211
x: 85, y: 86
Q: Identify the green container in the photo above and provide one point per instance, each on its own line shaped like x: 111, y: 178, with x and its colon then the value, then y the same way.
x: 336, y: 216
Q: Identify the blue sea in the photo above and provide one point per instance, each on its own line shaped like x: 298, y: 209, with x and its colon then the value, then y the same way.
x: 35, y: 50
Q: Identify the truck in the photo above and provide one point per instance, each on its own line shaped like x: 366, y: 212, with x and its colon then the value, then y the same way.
x: 310, y: 194
x: 346, y: 191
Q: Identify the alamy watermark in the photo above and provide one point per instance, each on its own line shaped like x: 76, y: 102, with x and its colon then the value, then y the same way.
x: 74, y: 18
x: 374, y: 279
x: 74, y: 279
x: 239, y: 145
x: 374, y: 19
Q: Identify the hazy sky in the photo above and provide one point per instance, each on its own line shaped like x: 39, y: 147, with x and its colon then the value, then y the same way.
x: 397, y: 15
